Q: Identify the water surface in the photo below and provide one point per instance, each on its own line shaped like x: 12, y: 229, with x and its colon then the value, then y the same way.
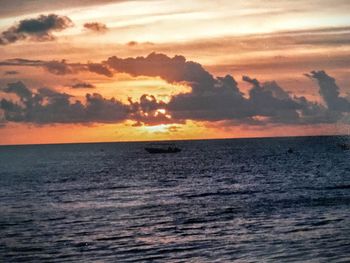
x: 246, y: 200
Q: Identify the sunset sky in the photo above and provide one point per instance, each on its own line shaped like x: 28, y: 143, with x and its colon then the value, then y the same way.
x: 93, y: 71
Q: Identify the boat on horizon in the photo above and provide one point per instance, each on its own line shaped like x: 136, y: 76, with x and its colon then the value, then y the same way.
x: 163, y: 148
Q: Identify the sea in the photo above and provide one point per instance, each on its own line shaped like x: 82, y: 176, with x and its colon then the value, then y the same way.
x: 236, y: 200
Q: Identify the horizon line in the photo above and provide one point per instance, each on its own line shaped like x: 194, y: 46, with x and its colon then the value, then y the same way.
x: 178, y: 140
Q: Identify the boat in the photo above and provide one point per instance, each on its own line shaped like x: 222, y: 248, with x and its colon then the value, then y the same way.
x: 163, y: 149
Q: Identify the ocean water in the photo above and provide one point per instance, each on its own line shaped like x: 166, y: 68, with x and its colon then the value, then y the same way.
x: 245, y: 200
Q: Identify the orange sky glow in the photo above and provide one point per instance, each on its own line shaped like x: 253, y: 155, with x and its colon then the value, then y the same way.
x: 97, y: 71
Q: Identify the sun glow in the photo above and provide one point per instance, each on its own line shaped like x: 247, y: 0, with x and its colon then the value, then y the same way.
x: 161, y: 128
x: 124, y: 86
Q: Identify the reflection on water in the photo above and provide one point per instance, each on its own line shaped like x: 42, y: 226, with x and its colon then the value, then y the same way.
x: 226, y: 200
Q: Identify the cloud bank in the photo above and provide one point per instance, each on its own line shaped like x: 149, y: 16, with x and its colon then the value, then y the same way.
x: 219, y: 98
x: 211, y: 98
x: 46, y: 106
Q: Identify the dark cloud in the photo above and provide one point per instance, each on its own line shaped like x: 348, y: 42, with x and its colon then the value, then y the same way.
x: 222, y: 100
x: 22, y: 62
x: 132, y: 43
x: 38, y: 29
x: 96, y: 27
x: 175, y: 69
x: 19, y: 89
x: 11, y: 72
x: 46, y: 106
x: 147, y: 111
x: 99, y: 69
x: 58, y: 67
x: 99, y: 109
x: 271, y: 101
x: 329, y: 91
x: 83, y: 85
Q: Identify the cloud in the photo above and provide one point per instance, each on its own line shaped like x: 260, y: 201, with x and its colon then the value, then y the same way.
x: 222, y: 100
x: 19, y: 89
x: 146, y: 44
x: 132, y: 43
x: 20, y: 7
x: 46, y: 106
x: 175, y: 69
x: 99, y: 69
x: 21, y: 62
x: 96, y: 27
x: 271, y: 101
x: 58, y: 67
x: 11, y: 72
x: 83, y: 85
x: 149, y: 111
x: 36, y: 29
x: 329, y: 91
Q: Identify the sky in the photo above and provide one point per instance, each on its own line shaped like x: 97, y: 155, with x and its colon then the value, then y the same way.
x: 95, y: 71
